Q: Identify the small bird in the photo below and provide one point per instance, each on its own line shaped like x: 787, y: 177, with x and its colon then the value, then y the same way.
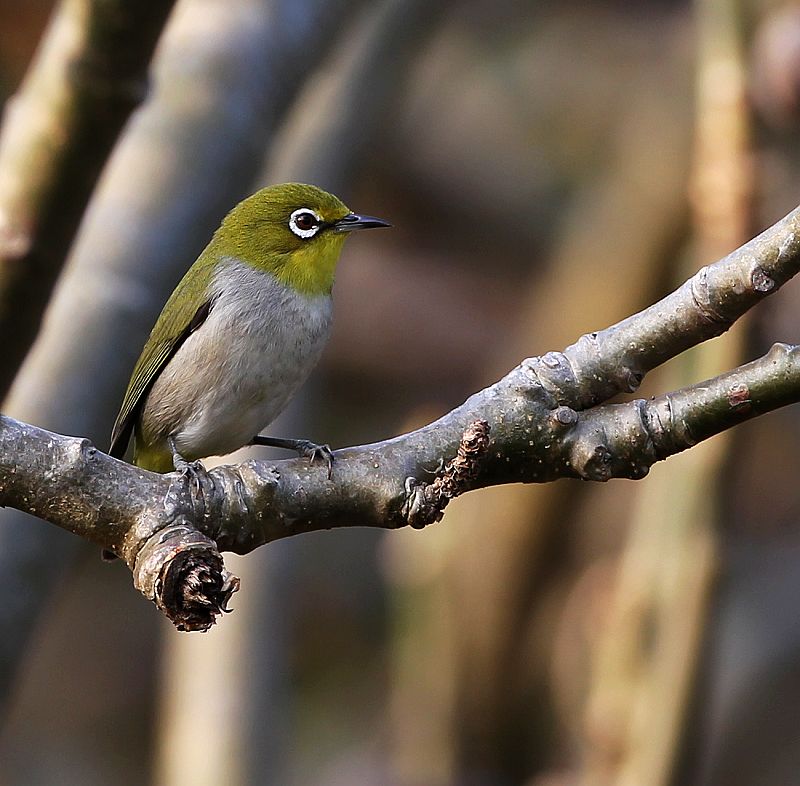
x: 240, y: 333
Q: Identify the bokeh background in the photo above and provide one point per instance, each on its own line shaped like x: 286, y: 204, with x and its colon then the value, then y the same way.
x: 549, y: 168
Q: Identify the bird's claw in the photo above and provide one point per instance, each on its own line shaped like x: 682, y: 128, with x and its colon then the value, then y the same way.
x: 192, y: 471
x: 312, y: 451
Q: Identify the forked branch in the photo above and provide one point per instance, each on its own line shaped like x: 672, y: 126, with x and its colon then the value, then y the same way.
x: 544, y: 420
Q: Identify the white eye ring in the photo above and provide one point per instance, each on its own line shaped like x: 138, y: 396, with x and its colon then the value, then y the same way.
x: 310, y: 231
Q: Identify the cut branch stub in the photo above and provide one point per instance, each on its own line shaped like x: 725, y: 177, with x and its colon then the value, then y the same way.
x: 182, y: 572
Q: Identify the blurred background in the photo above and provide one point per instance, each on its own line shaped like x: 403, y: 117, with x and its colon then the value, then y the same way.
x: 549, y: 168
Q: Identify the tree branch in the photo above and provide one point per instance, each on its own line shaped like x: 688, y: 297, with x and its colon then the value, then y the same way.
x: 615, y: 360
x: 542, y: 421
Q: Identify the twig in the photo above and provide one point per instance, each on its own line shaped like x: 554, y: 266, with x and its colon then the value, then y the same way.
x: 615, y: 360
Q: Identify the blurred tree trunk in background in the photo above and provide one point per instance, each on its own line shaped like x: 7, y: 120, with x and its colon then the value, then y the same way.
x: 494, y: 580
x: 325, y: 143
x: 647, y: 656
x: 90, y: 72
x: 23, y: 25
x: 244, y: 693
x: 226, y: 73
x: 534, y: 160
x: 742, y: 728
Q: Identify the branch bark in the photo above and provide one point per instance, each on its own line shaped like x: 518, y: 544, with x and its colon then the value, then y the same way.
x: 89, y: 75
x: 544, y: 420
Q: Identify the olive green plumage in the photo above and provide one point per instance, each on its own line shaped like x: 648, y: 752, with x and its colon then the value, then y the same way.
x: 257, y: 231
x: 240, y: 332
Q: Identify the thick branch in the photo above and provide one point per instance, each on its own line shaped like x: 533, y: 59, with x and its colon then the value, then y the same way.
x: 168, y: 529
x: 89, y: 75
x: 528, y: 427
x: 533, y: 440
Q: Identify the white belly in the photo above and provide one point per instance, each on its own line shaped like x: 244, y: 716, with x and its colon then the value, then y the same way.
x: 240, y: 368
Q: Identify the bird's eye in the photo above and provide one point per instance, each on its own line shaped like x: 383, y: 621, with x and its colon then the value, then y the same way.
x: 305, y: 223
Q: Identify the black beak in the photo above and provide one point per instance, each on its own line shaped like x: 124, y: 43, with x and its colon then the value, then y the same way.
x: 351, y: 222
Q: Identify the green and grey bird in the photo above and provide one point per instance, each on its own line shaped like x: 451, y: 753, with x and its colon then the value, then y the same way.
x: 240, y: 333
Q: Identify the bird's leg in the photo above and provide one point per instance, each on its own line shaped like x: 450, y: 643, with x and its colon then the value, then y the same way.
x: 304, y: 448
x: 191, y: 470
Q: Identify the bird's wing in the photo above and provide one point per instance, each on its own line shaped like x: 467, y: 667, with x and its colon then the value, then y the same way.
x: 179, y: 319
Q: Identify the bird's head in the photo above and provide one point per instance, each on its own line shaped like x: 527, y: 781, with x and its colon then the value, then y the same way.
x: 292, y: 230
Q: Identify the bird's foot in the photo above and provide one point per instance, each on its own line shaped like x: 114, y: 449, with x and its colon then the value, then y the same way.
x: 312, y: 451
x: 193, y: 471
x: 304, y: 447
